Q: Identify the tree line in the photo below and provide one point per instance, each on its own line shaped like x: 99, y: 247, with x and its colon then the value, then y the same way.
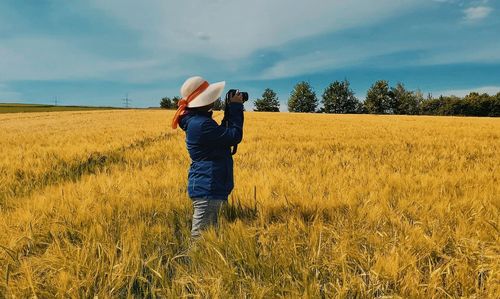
x: 338, y: 97
x: 171, y: 103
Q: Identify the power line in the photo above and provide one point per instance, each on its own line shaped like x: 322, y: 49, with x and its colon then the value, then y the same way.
x: 126, y: 101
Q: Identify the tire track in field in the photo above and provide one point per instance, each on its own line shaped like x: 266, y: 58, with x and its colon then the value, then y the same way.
x: 63, y: 171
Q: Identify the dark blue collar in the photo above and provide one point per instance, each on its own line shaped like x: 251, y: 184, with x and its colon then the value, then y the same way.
x: 198, y: 112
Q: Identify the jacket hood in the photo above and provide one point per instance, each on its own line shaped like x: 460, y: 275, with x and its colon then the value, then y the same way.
x: 183, y: 123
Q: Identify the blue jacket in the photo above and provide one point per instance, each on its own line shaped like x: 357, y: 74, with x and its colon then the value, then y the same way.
x: 209, y: 146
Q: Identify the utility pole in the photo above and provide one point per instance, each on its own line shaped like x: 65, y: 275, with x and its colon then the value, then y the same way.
x: 55, y: 101
x: 126, y: 101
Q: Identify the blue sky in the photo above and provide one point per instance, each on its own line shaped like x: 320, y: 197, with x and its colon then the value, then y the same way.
x: 95, y: 52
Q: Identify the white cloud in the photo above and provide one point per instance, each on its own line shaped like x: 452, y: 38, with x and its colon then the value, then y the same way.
x: 225, y: 32
x: 47, y: 58
x: 491, y: 90
x: 463, y: 52
x: 226, y: 29
x: 337, y: 57
x: 474, y: 14
x: 177, y: 38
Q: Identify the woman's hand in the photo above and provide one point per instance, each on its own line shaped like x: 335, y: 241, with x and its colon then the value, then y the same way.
x: 236, y: 98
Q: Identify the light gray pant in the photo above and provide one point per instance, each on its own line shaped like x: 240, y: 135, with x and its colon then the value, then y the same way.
x: 205, y: 214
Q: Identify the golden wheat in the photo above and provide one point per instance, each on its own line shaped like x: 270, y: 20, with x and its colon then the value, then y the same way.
x: 95, y: 204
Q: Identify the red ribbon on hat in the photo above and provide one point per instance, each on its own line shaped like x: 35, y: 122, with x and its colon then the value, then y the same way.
x: 184, y: 102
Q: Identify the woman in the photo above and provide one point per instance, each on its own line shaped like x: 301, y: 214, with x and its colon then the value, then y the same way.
x: 210, y: 178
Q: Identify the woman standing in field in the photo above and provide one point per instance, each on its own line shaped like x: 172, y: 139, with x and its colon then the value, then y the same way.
x: 210, y: 178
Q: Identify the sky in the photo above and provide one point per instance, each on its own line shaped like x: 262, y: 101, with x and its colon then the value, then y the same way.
x: 96, y: 52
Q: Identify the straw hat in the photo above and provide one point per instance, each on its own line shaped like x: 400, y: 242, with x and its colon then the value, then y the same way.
x: 206, y: 97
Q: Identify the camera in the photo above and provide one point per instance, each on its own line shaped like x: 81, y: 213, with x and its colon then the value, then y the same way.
x: 227, y: 111
x: 232, y: 92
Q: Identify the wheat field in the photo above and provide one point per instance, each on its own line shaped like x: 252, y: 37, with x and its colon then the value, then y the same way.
x: 324, y: 206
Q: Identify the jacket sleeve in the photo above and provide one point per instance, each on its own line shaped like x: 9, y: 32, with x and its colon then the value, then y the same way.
x: 231, y: 135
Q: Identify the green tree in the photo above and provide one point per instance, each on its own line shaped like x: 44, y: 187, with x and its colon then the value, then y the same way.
x: 338, y: 97
x: 175, y: 101
x: 166, y: 103
x: 361, y: 108
x: 218, y: 105
x: 268, y: 102
x: 444, y: 105
x: 378, y: 98
x: 452, y: 106
x: 478, y: 104
x: 474, y: 104
x: 302, y: 98
x: 413, y: 107
x: 429, y: 106
x: 495, y: 105
x: 404, y: 101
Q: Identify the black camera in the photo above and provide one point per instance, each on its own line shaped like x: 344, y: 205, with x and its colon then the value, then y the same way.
x: 227, y: 111
x: 232, y: 92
